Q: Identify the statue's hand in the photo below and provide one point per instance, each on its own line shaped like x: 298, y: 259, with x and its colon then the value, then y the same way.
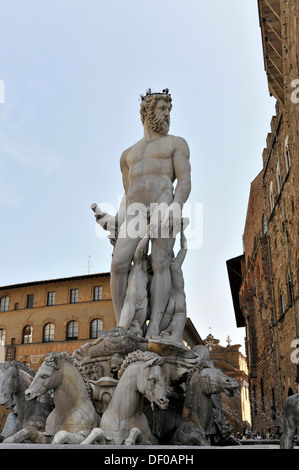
x: 107, y: 221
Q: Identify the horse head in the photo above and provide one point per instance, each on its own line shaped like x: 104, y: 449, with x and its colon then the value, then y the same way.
x: 48, y: 377
x: 212, y: 380
x: 9, y: 384
x: 150, y: 382
x: 15, y: 377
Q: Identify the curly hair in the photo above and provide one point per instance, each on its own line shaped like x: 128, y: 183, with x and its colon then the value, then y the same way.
x: 149, y: 102
x: 136, y: 356
x: 53, y: 357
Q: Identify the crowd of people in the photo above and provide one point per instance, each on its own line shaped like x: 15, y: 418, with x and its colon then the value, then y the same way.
x: 269, y: 434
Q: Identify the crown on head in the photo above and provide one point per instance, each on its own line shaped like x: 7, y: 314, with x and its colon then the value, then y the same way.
x: 149, y: 92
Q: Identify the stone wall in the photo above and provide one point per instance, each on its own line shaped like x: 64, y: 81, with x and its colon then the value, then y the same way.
x: 269, y: 294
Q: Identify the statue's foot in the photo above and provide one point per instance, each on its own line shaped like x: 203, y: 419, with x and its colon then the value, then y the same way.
x: 152, y: 331
x: 168, y: 339
x: 155, y: 337
x: 172, y: 340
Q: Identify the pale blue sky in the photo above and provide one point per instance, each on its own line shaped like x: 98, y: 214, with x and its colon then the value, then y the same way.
x: 73, y: 71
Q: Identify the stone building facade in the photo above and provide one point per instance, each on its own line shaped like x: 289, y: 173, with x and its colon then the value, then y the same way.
x: 53, y: 315
x: 265, y: 279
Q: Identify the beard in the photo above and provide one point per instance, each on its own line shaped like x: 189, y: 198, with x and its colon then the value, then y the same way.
x: 157, y: 124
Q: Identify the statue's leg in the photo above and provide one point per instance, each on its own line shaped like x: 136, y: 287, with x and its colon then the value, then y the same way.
x: 140, y: 316
x: 127, y: 313
x: 289, y: 429
x: 176, y: 328
x: 134, y: 438
x: 122, y: 257
x: 65, y: 437
x: 161, y: 282
x: 27, y: 433
x: 168, y: 314
x: 97, y: 435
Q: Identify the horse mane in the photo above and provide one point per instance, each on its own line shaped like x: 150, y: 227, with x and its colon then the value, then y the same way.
x: 136, y: 356
x: 52, y: 357
x: 51, y: 360
x: 197, y: 368
x: 18, y: 365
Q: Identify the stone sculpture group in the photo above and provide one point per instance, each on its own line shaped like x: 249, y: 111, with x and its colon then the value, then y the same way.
x: 138, y: 383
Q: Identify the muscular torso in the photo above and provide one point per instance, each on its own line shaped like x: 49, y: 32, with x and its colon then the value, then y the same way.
x: 150, y: 172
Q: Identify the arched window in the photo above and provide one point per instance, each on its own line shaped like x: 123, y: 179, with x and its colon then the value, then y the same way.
x: 96, y: 327
x: 271, y: 197
x: 4, y: 304
x: 2, y: 337
x: 290, y: 392
x: 287, y: 154
x: 48, y: 334
x: 72, y: 330
x: 27, y: 334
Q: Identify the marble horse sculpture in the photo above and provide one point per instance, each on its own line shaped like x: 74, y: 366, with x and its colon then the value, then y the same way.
x: 15, y: 378
x: 123, y: 422
x: 74, y: 415
x: 197, y: 424
x: 290, y: 421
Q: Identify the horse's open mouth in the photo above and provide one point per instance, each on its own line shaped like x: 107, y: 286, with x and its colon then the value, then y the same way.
x: 163, y: 406
x: 30, y: 397
x: 229, y: 392
x: 162, y: 403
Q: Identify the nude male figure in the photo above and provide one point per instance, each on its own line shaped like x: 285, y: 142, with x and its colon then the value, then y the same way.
x: 149, y: 170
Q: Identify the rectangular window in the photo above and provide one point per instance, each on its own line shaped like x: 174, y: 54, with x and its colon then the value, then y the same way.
x: 290, y: 292
x: 74, y: 296
x: 97, y: 293
x: 51, y: 298
x: 281, y: 304
x: 30, y: 299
